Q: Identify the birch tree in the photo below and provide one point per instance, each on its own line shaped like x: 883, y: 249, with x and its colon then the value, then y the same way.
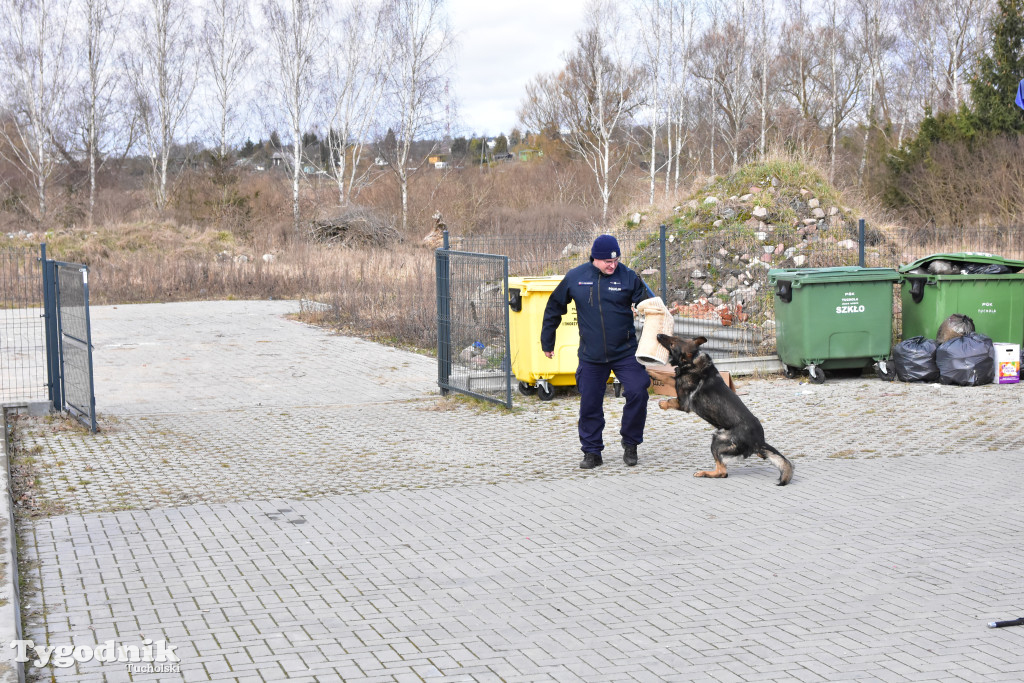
x: 37, y: 78
x: 841, y: 75
x: 354, y: 88
x: 102, y: 21
x: 961, y: 24
x: 723, y: 62
x: 592, y: 100
x: 764, y: 70
x: 654, y: 39
x: 227, y: 51
x: 418, y: 44
x: 875, y: 21
x: 737, y: 95
x: 799, y: 64
x: 163, y: 72
x: 682, y: 21
x: 297, y: 31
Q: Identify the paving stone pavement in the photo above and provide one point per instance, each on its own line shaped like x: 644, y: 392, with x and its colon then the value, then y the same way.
x: 282, y: 503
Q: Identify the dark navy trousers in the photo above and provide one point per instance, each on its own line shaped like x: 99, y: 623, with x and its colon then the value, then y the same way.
x: 592, y: 382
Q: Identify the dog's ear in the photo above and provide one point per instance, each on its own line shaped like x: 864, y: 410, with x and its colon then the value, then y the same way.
x: 700, y: 340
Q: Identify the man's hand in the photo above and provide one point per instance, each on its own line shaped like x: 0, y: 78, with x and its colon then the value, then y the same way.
x: 549, y: 354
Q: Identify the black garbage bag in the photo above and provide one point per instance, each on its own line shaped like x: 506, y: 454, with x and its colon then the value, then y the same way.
x: 967, y: 361
x: 986, y: 269
x: 914, y: 360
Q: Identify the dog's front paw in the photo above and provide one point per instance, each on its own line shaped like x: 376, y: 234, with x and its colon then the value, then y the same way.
x: 669, y: 404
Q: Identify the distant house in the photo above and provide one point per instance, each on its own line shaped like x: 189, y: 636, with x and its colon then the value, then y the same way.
x: 278, y: 159
x: 439, y: 160
x: 528, y: 154
x: 507, y: 156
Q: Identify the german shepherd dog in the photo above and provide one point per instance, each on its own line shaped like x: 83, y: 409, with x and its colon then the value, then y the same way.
x: 701, y: 390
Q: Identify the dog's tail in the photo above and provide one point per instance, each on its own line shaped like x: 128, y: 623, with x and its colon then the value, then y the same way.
x: 780, y: 461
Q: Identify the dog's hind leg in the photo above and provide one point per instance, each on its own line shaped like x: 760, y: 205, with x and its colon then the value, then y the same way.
x: 720, y: 445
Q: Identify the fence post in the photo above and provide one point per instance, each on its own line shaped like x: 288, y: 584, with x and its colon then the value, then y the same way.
x: 506, y: 365
x: 664, y: 267
x: 860, y: 240
x: 54, y: 387
x: 444, y: 315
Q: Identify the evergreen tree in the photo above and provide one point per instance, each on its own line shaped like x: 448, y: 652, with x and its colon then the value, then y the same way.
x: 460, y: 147
x: 994, y: 86
x: 386, y: 149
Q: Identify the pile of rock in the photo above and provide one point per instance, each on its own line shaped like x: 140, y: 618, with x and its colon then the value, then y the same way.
x: 724, y: 272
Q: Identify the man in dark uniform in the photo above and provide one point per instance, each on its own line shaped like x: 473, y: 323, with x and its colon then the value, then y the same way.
x: 605, y: 292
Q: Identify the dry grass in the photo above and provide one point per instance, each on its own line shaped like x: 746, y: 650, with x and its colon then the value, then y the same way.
x: 229, y: 235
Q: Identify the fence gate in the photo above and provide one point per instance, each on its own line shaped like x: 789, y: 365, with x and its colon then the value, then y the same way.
x: 69, y: 339
x: 472, y: 325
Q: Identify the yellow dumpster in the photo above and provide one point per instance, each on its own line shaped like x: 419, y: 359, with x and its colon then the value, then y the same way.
x: 538, y: 374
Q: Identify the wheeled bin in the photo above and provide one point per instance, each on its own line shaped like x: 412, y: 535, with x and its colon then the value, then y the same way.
x: 833, y: 318
x: 536, y: 373
x: 994, y: 301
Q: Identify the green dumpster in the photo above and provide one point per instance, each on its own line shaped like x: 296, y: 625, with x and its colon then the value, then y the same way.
x: 995, y: 302
x: 833, y: 318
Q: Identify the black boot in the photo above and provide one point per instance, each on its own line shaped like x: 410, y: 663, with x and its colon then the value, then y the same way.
x: 629, y: 453
x: 590, y: 461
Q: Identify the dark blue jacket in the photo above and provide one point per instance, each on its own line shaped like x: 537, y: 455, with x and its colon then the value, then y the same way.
x: 607, y: 332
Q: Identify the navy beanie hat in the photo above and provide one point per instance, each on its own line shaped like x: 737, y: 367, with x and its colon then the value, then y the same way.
x: 605, y: 247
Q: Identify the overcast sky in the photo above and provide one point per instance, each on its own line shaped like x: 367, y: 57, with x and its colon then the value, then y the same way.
x: 502, y: 46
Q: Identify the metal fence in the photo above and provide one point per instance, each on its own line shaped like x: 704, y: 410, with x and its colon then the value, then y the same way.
x: 23, y: 369
x: 472, y: 325
x: 645, y: 250
x: 45, y: 335
x: 716, y: 282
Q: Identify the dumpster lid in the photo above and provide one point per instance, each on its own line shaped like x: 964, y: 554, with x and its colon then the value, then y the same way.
x: 545, y: 283
x: 800, y: 276
x: 964, y: 257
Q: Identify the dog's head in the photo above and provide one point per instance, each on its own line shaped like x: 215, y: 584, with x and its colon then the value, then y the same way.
x: 681, y: 351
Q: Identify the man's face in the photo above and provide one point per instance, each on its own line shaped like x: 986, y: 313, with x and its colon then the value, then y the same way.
x: 606, y: 265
